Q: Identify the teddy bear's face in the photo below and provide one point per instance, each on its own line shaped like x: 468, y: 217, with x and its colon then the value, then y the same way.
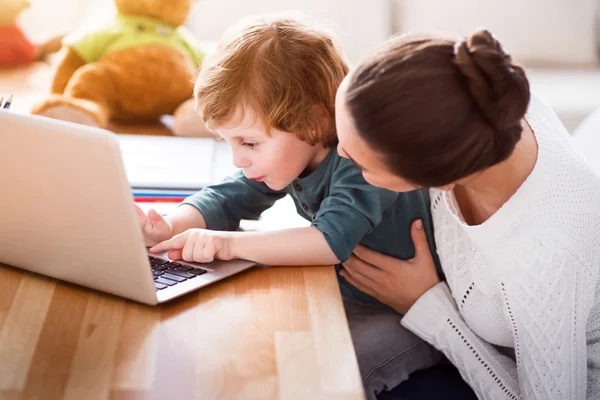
x: 171, y: 12
x: 10, y: 10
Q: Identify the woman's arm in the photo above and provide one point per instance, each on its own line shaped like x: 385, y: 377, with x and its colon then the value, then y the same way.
x: 436, y: 319
x: 547, y: 307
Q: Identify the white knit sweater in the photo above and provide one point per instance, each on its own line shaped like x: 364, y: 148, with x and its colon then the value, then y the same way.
x: 520, y: 313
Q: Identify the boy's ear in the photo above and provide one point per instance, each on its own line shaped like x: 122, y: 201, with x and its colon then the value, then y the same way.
x: 321, y: 118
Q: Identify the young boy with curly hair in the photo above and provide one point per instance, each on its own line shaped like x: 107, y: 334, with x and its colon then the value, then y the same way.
x: 269, y: 91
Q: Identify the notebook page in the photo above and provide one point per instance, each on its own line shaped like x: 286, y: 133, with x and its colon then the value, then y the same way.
x: 165, y: 162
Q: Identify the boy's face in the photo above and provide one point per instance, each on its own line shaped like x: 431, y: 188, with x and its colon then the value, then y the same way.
x: 276, y: 159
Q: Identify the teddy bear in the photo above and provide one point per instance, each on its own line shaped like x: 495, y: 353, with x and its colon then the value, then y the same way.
x: 137, y: 68
x: 16, y: 49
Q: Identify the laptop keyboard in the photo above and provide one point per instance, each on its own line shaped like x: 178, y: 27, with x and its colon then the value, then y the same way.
x: 169, y: 273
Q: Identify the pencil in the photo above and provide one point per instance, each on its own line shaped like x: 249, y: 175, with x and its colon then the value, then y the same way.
x: 8, y: 102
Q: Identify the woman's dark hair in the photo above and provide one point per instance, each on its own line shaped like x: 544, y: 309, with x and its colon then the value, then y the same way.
x: 438, y: 110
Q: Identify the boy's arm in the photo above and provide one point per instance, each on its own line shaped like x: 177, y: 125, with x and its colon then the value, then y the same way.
x: 297, y: 246
x: 223, y: 205
x: 185, y: 217
x: 350, y: 211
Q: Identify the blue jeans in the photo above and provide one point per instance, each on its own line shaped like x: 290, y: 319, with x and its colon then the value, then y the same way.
x: 440, y: 382
x: 387, y: 353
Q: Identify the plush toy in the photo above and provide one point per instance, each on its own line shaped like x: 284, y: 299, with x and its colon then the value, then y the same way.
x: 137, y: 68
x: 15, y: 47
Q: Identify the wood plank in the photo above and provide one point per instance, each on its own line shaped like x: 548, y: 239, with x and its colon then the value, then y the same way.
x: 252, y: 281
x: 239, y: 346
x: 11, y: 279
x: 177, y: 350
x: 288, y: 300
x: 297, y: 366
x: 135, y: 364
x: 93, y: 364
x: 121, y: 394
x: 11, y: 395
x: 21, y: 329
x: 338, y: 372
x: 51, y: 364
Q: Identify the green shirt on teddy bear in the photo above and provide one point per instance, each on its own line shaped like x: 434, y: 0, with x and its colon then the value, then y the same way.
x: 129, y: 31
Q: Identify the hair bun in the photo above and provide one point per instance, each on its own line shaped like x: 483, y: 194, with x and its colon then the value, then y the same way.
x: 498, y: 87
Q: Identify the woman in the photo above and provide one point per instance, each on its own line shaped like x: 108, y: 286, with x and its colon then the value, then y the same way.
x: 515, y: 213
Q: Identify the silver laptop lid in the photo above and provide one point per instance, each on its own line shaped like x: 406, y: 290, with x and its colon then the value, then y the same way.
x: 66, y: 209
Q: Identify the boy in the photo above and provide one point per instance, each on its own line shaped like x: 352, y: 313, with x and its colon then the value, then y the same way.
x: 269, y: 91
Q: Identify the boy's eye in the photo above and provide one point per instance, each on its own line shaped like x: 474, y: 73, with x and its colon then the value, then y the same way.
x: 250, y: 145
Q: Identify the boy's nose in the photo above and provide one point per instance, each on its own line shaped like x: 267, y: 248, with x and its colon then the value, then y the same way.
x: 240, y: 162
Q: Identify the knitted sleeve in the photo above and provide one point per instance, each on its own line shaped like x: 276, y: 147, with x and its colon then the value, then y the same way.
x: 546, y: 303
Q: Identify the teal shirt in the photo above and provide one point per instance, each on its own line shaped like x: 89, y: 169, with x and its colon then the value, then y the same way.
x: 337, y: 201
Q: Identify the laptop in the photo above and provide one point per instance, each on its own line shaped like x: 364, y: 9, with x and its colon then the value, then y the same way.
x: 66, y: 211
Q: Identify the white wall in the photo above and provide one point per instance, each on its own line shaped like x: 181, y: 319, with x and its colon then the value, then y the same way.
x: 535, y: 32
x: 362, y: 23
x: 47, y: 18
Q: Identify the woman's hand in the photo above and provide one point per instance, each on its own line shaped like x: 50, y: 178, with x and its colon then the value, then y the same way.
x: 392, y: 281
x: 199, y: 245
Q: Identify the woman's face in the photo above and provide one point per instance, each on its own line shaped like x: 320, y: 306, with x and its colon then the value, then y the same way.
x: 353, y: 147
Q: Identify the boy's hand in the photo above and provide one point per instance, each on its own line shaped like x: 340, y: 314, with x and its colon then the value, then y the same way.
x: 199, y: 245
x: 155, y: 227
